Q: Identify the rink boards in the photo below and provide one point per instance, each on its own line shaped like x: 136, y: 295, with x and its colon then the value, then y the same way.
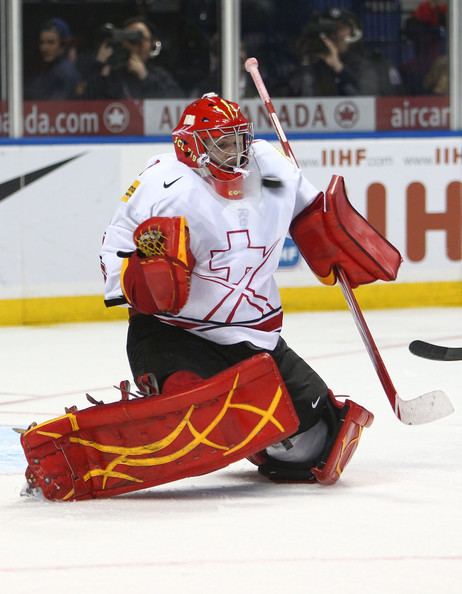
x: 56, y: 200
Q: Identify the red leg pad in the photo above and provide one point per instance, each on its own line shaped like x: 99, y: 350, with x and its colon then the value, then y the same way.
x: 346, y: 442
x: 125, y: 446
x: 180, y: 381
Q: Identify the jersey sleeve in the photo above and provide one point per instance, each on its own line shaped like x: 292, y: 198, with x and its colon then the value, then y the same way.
x: 306, y: 193
x: 274, y: 163
x: 145, y: 198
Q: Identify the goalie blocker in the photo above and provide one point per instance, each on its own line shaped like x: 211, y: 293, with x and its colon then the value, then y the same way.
x: 330, y: 233
x: 194, y: 427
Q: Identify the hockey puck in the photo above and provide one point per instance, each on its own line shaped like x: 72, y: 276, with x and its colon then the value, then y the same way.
x: 271, y: 182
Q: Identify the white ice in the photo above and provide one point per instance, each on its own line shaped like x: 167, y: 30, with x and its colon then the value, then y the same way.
x: 392, y: 524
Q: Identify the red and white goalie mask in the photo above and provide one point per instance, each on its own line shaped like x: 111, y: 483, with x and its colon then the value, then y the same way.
x: 214, y: 138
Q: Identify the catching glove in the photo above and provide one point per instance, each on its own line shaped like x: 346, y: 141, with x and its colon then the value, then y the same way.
x: 156, y: 278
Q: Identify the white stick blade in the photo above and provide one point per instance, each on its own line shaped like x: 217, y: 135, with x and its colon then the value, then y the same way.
x: 426, y: 408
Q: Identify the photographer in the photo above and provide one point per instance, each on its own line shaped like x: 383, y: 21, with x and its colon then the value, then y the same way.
x: 124, y: 69
x: 333, y: 62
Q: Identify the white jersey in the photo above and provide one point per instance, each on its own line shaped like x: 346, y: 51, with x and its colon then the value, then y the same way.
x: 237, y: 244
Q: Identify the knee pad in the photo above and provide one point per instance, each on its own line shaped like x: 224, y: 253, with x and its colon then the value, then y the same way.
x: 303, y: 447
x: 181, y: 380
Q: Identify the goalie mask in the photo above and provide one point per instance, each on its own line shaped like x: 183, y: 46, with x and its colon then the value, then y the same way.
x: 214, y: 138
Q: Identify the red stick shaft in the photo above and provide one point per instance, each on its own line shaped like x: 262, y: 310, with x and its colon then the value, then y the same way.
x: 251, y: 65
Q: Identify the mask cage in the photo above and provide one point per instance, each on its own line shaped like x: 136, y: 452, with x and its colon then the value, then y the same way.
x: 210, y: 142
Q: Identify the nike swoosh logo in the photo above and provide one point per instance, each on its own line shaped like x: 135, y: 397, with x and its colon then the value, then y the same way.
x: 171, y: 183
x: 18, y: 183
x: 316, y: 402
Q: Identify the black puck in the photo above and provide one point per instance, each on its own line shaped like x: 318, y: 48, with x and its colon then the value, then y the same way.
x: 271, y: 182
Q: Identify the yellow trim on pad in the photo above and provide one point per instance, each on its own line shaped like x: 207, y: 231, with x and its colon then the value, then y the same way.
x: 91, y: 308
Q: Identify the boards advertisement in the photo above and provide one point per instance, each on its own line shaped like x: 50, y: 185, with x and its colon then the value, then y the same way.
x: 56, y: 201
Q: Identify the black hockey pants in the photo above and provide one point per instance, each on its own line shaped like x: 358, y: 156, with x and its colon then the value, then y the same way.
x: 153, y: 346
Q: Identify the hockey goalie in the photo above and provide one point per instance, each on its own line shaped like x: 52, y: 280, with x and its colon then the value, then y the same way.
x: 191, y: 251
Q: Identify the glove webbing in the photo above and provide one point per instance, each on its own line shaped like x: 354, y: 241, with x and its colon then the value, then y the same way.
x: 151, y: 243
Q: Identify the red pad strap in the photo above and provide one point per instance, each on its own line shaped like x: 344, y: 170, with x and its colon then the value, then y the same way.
x: 129, y: 445
x: 331, y: 233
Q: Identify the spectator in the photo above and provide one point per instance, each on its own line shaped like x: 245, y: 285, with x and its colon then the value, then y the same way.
x: 124, y: 68
x: 426, y: 29
x: 334, y: 63
x: 57, y: 77
x: 213, y: 78
x: 432, y: 12
x: 436, y: 81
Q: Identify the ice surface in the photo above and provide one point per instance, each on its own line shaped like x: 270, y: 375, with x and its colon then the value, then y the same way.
x: 392, y: 524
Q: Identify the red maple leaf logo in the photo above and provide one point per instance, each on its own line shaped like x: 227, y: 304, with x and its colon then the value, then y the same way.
x: 347, y: 114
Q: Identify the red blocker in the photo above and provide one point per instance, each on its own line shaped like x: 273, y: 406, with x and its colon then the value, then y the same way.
x: 330, y: 233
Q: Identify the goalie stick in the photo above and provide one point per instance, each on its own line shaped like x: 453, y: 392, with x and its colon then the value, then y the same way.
x: 434, y: 351
x: 425, y: 408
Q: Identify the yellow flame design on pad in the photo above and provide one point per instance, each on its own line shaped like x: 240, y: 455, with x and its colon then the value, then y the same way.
x: 353, y: 443
x: 69, y: 416
x: 127, y: 456
x: 50, y: 434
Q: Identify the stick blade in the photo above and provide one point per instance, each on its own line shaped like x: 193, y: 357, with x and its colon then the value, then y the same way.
x: 426, y: 408
x: 434, y: 351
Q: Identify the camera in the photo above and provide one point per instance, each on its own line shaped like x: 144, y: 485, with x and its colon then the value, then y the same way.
x: 327, y: 24
x: 115, y: 38
x: 313, y: 43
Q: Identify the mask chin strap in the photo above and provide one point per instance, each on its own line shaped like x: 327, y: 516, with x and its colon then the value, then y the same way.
x: 230, y: 189
x: 243, y: 172
x: 203, y: 160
